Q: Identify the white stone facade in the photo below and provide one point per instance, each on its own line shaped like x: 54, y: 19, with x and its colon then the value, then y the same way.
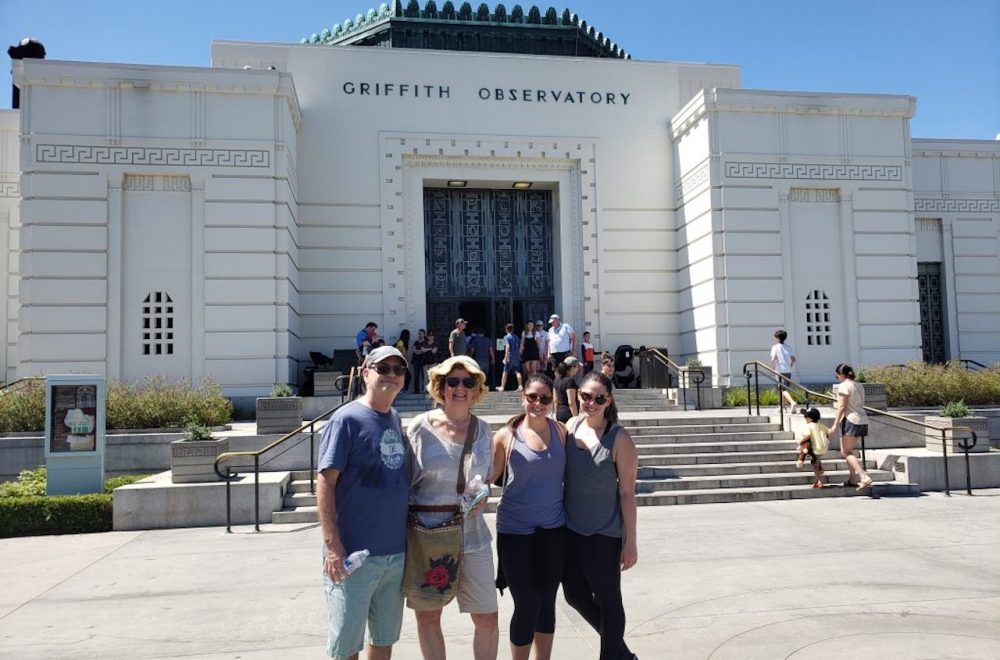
x: 281, y: 207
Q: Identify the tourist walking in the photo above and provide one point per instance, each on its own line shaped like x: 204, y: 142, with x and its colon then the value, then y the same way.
x: 783, y: 361
x: 511, y: 359
x: 567, y: 406
x: 437, y: 440
x: 543, y: 338
x: 562, y: 340
x: 418, y: 360
x: 456, y: 340
x: 852, y: 421
x: 364, y: 340
x: 530, y: 452
x: 481, y: 350
x: 403, y: 346
x: 363, y: 477
x: 531, y: 349
x: 601, y: 466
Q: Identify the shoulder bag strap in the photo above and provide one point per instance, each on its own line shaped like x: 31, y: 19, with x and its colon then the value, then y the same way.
x: 470, y: 438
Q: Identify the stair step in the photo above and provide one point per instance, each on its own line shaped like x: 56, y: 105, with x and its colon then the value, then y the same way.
x: 778, y: 479
x: 769, y: 493
x: 718, y: 469
x: 728, y: 436
x: 654, y: 449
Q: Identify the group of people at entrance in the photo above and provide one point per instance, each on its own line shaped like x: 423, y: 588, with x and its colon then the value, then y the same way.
x: 567, y: 513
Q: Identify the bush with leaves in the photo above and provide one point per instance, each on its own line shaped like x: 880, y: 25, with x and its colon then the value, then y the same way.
x: 282, y: 390
x: 954, y: 409
x: 920, y: 384
x: 159, y: 403
x: 23, y: 409
x: 736, y: 397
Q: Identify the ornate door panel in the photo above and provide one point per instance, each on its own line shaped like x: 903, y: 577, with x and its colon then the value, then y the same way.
x: 489, y: 245
x: 931, y: 312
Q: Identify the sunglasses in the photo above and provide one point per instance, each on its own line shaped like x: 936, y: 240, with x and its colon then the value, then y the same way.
x: 531, y: 397
x: 384, y: 369
x: 599, y: 399
x: 454, y: 381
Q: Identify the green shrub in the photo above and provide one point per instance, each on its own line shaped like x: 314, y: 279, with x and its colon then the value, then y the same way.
x: 920, y: 384
x: 693, y: 363
x: 118, y: 482
x: 23, y: 409
x: 159, y: 403
x: 281, y: 390
x: 195, y: 432
x: 29, y: 483
x: 65, y: 514
x: 955, y: 409
x: 737, y: 397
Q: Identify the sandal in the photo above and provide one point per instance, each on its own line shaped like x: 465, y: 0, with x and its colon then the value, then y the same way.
x: 865, y: 483
x: 818, y: 484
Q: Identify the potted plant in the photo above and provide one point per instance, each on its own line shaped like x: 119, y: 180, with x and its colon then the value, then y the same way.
x: 956, y: 413
x: 694, y: 364
x: 279, y: 413
x: 325, y: 380
x: 192, y: 458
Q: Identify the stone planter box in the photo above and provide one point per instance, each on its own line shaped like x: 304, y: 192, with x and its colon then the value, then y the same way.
x: 194, y: 461
x: 876, y: 395
x: 690, y: 380
x: 952, y: 438
x: 324, y: 383
x: 278, y: 414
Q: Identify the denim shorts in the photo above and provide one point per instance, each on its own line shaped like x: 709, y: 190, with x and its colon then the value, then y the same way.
x: 369, y: 596
x: 853, y: 430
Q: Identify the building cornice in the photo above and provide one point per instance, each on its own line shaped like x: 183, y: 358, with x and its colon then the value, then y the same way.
x: 55, y: 73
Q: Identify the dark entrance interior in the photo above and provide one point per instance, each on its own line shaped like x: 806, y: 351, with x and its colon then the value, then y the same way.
x: 932, y: 312
x: 489, y: 258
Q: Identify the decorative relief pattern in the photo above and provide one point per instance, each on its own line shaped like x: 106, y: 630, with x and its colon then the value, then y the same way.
x: 692, y: 181
x: 822, y: 171
x: 10, y: 189
x: 929, y: 224
x: 153, y: 182
x: 813, y: 195
x: 957, y: 205
x: 104, y: 155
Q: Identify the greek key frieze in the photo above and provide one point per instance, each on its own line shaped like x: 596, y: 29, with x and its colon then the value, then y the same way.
x: 813, y: 171
x: 156, y: 156
x: 10, y: 189
x: 957, y: 205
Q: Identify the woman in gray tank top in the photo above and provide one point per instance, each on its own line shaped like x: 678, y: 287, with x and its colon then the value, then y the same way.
x: 530, y: 452
x: 601, y: 467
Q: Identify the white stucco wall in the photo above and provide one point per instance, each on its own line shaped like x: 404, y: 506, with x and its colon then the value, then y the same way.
x: 956, y: 187
x: 99, y: 143
x: 10, y: 205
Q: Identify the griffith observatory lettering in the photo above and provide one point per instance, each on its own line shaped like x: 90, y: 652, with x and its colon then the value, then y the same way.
x: 503, y: 94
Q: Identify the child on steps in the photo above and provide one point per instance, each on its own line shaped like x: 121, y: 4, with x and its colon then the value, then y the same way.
x: 814, y: 444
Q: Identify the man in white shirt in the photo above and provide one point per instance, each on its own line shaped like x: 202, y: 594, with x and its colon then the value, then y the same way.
x: 561, y: 340
x: 782, y: 361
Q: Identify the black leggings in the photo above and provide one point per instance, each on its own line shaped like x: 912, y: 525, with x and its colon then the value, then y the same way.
x: 532, y: 565
x: 592, y: 586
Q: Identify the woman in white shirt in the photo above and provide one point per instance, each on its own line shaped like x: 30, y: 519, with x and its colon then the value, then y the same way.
x: 852, y: 422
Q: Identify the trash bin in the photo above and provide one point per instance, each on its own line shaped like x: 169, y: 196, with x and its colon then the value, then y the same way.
x: 653, y: 372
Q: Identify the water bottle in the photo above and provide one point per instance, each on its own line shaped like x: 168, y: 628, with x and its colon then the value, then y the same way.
x: 354, y: 560
x: 475, y: 492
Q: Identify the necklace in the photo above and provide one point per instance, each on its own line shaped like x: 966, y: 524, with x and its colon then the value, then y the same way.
x: 456, y: 425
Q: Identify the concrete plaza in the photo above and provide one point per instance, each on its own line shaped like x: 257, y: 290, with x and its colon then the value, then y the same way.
x: 816, y: 579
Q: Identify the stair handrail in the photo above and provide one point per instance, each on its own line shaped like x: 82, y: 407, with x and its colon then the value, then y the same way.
x: 694, y: 374
x: 785, y: 383
x: 230, y: 474
x: 20, y: 384
x: 971, y: 365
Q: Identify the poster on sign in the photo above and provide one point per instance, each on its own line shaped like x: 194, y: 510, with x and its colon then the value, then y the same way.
x: 73, y: 418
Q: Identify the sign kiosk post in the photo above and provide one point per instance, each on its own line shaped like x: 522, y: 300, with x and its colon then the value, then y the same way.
x: 74, y: 434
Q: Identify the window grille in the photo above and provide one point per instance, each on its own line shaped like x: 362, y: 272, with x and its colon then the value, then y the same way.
x: 158, y: 324
x: 818, y: 318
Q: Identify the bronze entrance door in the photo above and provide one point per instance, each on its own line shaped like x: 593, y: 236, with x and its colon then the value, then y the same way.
x: 489, y: 258
x: 931, y: 312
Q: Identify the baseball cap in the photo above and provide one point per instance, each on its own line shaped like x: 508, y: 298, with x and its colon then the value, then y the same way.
x: 571, y: 361
x: 554, y: 317
x: 383, y: 353
x: 460, y: 320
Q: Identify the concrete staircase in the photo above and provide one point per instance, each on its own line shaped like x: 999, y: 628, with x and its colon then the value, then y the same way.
x: 684, y: 458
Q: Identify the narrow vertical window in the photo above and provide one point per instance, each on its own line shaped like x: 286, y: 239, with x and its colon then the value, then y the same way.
x: 157, y: 314
x: 818, y: 319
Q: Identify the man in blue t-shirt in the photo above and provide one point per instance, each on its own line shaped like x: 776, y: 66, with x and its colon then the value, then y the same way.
x: 362, y: 493
x: 366, y: 335
x: 511, y: 358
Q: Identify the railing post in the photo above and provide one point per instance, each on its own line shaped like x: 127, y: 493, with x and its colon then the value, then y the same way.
x: 698, y: 385
x: 749, y: 400
x: 682, y: 380
x: 966, y: 446
x: 864, y: 459
x: 756, y: 386
x: 781, y: 404
x: 256, y: 493
x: 944, y: 458
x: 229, y: 502
x: 312, y: 457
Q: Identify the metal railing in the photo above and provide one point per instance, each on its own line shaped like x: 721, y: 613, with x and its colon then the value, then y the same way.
x: 685, y: 375
x: 347, y: 387
x: 971, y: 365
x: 785, y: 384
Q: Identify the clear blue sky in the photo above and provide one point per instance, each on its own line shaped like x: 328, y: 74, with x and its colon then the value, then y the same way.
x: 944, y: 52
